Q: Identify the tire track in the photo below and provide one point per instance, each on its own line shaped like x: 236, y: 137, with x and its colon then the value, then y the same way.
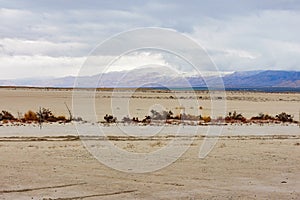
x: 40, y: 188
x: 94, y: 195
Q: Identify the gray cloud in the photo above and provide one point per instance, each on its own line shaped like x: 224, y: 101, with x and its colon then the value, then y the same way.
x: 268, y: 40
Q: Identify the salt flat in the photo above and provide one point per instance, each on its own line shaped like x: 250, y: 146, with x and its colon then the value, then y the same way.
x: 247, y: 162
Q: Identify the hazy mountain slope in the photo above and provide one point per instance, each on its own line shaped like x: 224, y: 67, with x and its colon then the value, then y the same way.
x: 148, y: 77
x: 263, y: 79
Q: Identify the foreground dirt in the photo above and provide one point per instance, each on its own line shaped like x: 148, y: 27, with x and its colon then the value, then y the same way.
x: 237, y: 168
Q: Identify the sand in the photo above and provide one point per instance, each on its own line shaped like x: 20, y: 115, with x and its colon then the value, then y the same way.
x: 247, y: 162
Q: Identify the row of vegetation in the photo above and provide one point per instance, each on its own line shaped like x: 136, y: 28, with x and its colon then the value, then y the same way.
x: 232, y: 117
x: 44, y: 115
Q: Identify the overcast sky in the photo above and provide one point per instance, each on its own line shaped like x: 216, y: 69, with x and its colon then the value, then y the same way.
x: 53, y: 37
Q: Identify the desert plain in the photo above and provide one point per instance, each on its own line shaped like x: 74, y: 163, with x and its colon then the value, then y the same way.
x: 248, y: 161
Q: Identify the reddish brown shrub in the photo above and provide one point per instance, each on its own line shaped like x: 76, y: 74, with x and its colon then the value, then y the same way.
x: 30, y: 116
x: 61, y: 118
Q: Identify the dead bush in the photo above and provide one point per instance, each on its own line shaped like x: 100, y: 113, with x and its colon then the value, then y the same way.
x: 164, y: 115
x: 45, y: 115
x: 61, y: 118
x: 110, y: 118
x: 5, y: 115
x: 30, y: 116
x: 262, y: 116
x: 206, y: 119
x: 284, y: 117
x: 235, y: 117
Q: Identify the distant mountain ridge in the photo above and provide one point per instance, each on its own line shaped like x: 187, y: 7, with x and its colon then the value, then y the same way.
x: 153, y: 77
x: 266, y: 78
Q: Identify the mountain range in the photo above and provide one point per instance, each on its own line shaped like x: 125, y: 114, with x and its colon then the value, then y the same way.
x: 156, y: 77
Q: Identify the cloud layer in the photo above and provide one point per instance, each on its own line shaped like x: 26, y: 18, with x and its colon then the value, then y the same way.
x: 53, y: 38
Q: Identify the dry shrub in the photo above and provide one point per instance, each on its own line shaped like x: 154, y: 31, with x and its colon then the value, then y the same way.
x: 110, y: 118
x: 231, y: 117
x: 45, y: 114
x: 61, y: 118
x: 52, y: 119
x: 161, y: 115
x: 5, y: 115
x: 30, y: 116
x: 206, y: 119
x: 284, y: 117
x: 262, y: 116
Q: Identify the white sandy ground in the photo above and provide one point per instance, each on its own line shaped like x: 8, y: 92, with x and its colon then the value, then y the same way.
x: 247, y: 162
x: 94, y: 129
x: 238, y: 167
